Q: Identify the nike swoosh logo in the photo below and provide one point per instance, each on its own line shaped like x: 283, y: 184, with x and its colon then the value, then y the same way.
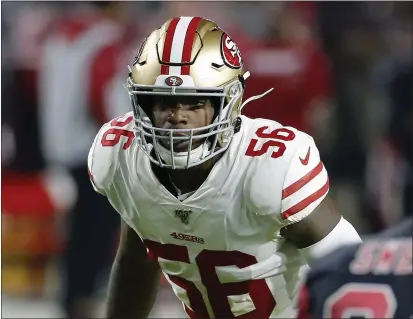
x: 305, y: 160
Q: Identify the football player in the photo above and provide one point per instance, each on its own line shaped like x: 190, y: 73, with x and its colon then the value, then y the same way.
x: 369, y: 280
x: 225, y: 206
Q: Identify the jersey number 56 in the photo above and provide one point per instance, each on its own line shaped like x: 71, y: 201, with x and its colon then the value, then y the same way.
x: 276, y: 140
x: 218, y: 292
x: 112, y: 136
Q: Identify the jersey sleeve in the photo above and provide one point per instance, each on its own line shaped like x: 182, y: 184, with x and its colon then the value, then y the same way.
x: 101, y: 162
x: 305, y: 185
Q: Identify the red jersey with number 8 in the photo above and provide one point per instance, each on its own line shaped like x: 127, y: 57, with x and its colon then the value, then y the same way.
x: 220, y: 248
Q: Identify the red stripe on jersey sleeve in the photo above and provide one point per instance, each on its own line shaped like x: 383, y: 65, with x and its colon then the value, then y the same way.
x: 189, y: 41
x: 307, y: 201
x: 303, y: 181
x: 167, y: 47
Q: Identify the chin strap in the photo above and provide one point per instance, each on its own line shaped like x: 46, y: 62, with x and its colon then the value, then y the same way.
x: 255, y: 97
x: 182, y: 159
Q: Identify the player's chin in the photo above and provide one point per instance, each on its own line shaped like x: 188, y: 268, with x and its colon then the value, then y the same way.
x: 182, y: 146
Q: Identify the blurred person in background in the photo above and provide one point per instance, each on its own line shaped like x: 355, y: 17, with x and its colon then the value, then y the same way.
x: 28, y: 228
x: 392, y: 156
x: 364, y: 40
x: 390, y: 193
x: 368, y: 280
x: 24, y: 29
x: 289, y: 58
x: 78, y: 92
x: 350, y: 40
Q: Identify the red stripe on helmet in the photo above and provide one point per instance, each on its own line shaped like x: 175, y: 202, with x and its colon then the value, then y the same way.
x: 189, y: 41
x: 167, y: 47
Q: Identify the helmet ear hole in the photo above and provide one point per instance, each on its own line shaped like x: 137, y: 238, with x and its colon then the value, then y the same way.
x: 242, y: 80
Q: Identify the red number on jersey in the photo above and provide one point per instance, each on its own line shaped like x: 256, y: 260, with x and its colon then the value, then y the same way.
x: 116, y: 133
x: 277, y: 137
x: 361, y: 300
x: 180, y: 254
x: 117, y: 122
x: 217, y: 292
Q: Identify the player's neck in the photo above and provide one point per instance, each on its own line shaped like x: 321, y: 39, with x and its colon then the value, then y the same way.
x: 189, y: 180
x: 185, y: 180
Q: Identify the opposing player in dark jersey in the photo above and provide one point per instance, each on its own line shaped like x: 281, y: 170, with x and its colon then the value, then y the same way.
x: 369, y: 280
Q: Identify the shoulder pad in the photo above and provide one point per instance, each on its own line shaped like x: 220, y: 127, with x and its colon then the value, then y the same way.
x: 103, y: 158
x: 287, y: 180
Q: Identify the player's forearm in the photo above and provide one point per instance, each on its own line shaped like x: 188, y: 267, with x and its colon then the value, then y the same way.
x: 343, y: 234
x: 132, y: 289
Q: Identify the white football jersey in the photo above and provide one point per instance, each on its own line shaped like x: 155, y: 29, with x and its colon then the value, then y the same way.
x: 220, y: 248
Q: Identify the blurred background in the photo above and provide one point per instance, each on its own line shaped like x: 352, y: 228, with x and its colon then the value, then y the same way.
x: 342, y: 72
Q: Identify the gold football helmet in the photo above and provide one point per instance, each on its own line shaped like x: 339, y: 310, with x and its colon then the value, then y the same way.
x: 187, y: 56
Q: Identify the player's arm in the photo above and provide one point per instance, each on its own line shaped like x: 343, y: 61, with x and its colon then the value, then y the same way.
x: 314, y: 227
x: 310, y: 220
x: 134, y: 279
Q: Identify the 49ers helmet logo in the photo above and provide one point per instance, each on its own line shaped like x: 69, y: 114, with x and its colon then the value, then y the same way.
x: 173, y: 81
x: 230, y: 52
